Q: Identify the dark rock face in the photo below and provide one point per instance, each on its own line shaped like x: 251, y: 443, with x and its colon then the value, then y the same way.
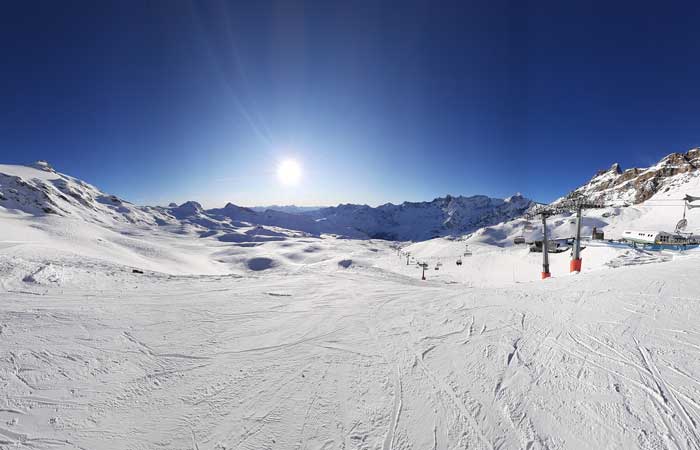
x: 637, y: 185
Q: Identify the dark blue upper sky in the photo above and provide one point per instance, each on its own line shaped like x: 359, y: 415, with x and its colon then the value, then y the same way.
x: 160, y: 101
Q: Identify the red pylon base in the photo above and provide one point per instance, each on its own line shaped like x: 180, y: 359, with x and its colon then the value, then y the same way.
x: 575, y: 265
x: 546, y: 275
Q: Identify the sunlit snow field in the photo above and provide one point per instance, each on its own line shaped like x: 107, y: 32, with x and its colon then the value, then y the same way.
x: 331, y: 343
x: 281, y: 340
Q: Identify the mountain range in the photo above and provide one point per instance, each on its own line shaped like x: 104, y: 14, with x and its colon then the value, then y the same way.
x: 39, y: 190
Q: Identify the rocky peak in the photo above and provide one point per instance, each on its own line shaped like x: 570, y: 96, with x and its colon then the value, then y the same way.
x: 637, y: 185
x: 693, y: 156
x: 674, y: 159
x: 614, y: 169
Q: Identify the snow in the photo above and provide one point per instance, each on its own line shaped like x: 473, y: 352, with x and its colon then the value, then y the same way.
x: 348, y: 348
x: 240, y: 335
x: 28, y: 172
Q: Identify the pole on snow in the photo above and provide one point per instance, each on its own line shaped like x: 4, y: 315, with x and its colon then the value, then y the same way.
x: 408, y: 256
x: 423, y: 277
x: 545, y: 249
x: 575, y: 265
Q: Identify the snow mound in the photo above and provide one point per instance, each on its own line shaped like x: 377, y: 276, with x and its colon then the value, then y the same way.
x: 47, y: 274
x: 345, y: 263
x: 261, y: 263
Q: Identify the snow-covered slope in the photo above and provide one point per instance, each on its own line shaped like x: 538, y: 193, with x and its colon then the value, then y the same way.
x: 40, y: 190
x: 237, y: 335
x: 347, y: 348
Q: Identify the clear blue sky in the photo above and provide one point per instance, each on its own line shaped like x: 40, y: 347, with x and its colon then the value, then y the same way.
x: 160, y: 101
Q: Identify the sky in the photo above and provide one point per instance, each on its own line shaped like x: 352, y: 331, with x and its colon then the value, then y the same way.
x: 378, y: 101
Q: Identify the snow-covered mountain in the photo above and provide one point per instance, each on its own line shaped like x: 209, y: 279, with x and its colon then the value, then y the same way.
x: 444, y: 216
x: 40, y: 190
x: 635, y: 185
x: 292, y: 209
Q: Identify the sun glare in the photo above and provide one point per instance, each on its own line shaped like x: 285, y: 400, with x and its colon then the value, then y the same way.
x: 289, y: 172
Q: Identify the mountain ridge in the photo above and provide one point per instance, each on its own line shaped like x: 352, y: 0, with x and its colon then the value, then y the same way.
x: 38, y: 189
x: 638, y: 184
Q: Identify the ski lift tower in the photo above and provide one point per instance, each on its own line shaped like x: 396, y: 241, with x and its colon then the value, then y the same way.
x: 573, y: 203
x: 578, y: 204
x: 543, y: 211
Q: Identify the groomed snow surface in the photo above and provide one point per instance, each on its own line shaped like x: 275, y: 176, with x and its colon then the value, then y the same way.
x: 274, y: 339
x: 329, y: 343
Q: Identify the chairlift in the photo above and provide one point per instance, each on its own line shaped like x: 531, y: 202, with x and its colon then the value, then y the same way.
x: 683, y: 223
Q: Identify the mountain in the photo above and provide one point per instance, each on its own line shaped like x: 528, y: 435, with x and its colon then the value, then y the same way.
x: 447, y: 216
x: 39, y: 190
x: 636, y: 185
x: 241, y: 215
x: 291, y: 209
x: 444, y: 216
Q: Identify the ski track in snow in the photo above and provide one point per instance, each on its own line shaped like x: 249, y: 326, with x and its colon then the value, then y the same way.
x: 326, y: 357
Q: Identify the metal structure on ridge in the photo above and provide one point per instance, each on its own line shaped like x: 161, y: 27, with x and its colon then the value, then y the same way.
x: 575, y: 204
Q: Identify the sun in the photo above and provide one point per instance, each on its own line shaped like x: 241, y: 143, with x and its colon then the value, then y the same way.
x: 289, y: 172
